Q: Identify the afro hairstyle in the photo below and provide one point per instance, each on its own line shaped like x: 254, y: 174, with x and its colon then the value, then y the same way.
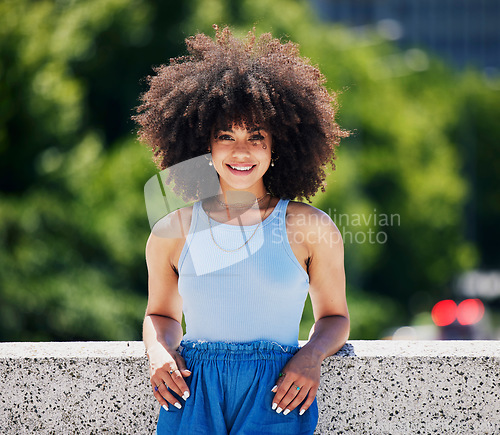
x: 252, y: 81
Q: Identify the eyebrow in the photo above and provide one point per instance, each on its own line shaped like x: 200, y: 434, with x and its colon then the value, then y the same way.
x: 252, y: 130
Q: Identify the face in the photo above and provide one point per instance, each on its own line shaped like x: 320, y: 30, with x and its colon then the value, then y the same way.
x: 241, y: 157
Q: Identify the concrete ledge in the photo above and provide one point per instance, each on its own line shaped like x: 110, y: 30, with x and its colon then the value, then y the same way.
x: 372, y: 387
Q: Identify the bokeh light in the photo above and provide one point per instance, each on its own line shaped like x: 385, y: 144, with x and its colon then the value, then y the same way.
x: 444, y: 312
x: 470, y: 311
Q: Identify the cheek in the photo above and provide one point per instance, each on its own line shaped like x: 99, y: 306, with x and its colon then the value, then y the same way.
x: 267, y: 154
x: 217, y: 158
x: 217, y: 153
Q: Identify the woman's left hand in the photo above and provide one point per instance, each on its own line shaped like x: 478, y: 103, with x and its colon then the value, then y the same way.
x: 299, y: 383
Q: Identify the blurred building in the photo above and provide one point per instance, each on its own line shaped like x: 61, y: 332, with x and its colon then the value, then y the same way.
x: 461, y: 31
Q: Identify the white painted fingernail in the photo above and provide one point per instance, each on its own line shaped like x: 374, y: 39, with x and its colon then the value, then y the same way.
x: 185, y: 395
x: 274, y: 406
x: 177, y: 405
x: 286, y: 411
x: 274, y: 389
x: 302, y: 411
x: 279, y: 410
x: 165, y: 407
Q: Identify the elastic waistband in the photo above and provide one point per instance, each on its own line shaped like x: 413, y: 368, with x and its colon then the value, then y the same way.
x: 253, y: 350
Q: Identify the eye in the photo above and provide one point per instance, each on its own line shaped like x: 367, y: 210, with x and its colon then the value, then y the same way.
x: 224, y: 137
x: 257, y: 137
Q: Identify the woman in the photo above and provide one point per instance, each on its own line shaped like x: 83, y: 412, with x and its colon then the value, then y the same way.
x: 239, y: 263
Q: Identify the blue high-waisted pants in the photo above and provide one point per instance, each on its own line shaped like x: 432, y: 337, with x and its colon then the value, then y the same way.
x: 230, y: 386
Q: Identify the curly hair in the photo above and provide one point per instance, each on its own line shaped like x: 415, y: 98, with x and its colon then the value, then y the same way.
x: 257, y: 81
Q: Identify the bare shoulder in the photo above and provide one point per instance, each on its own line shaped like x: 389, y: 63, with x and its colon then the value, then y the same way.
x: 309, y: 217
x: 316, y: 225
x: 167, y: 238
x: 174, y: 225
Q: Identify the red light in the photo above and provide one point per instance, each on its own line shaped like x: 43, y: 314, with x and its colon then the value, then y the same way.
x: 444, y: 312
x: 470, y: 311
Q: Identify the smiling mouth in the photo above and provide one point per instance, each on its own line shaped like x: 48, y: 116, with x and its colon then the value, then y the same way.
x: 241, y: 168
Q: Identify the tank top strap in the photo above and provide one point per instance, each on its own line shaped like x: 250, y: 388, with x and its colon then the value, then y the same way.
x: 195, y: 215
x: 195, y: 218
x: 282, y: 205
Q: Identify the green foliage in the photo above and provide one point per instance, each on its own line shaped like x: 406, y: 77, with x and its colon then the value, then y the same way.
x: 68, y: 66
x: 73, y: 224
x: 73, y: 262
x: 370, y: 315
x: 477, y: 131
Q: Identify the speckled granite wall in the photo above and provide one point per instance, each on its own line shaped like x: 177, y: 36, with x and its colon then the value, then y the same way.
x: 372, y: 387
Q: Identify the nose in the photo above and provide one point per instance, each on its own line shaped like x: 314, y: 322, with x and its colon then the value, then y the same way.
x: 241, y: 147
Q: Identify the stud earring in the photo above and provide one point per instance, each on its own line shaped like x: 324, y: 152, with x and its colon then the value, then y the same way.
x: 273, y: 158
x: 210, y: 163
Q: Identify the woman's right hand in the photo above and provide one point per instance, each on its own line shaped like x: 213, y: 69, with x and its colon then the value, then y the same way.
x: 167, y: 369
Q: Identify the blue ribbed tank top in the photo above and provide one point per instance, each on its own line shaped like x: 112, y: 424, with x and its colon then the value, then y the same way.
x: 250, y: 294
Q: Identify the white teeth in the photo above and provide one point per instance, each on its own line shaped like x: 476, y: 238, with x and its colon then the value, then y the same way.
x: 241, y: 168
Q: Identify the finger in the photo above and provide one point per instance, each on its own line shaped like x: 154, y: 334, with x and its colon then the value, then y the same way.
x: 171, y: 376
x: 279, y: 381
x: 163, y: 377
x: 291, y: 394
x: 181, y: 365
x: 180, y: 374
x: 162, y: 390
x: 296, y: 401
x: 281, y: 391
x: 310, y: 399
x: 160, y: 400
x: 178, y: 384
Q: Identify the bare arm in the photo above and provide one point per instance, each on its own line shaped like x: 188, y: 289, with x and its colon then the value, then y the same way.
x: 162, y: 322
x: 331, y: 329
x: 327, y: 291
x: 162, y: 330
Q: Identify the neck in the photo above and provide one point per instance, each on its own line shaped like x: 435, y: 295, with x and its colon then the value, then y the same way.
x: 233, y: 197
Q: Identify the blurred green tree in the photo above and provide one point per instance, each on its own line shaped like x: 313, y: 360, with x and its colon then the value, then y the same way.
x: 69, y: 67
x: 73, y: 224
x: 477, y: 132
